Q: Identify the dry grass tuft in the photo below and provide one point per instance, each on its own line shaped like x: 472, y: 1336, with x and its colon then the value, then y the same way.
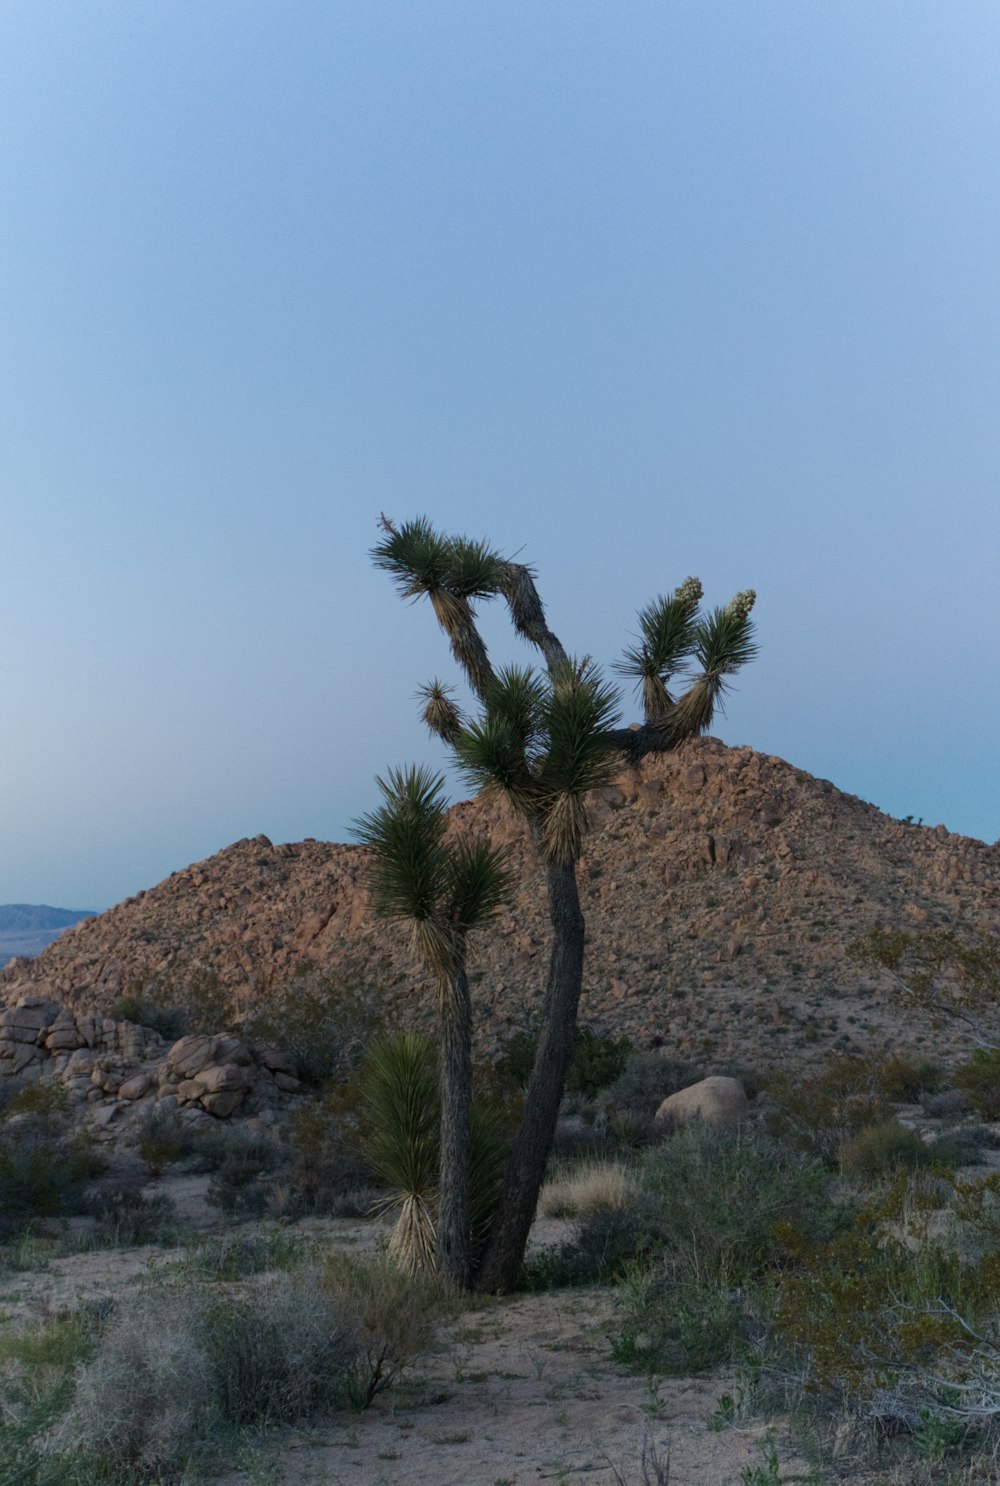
x: 589, y: 1188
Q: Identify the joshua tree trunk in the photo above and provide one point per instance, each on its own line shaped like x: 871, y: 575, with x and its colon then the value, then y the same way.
x: 501, y: 1263
x: 453, y: 1256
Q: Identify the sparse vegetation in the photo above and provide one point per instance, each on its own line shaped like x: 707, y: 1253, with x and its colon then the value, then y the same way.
x: 324, y: 1025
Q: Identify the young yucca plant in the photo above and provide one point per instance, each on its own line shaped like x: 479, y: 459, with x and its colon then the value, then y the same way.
x: 402, y: 1139
x: 402, y: 1144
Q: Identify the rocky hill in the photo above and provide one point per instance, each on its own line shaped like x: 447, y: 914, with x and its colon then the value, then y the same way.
x: 721, y: 889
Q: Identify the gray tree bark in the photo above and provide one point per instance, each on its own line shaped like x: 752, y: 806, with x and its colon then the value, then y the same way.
x: 501, y: 1263
x: 453, y: 1256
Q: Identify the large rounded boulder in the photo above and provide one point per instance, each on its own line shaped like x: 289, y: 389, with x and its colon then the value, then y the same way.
x: 717, y: 1101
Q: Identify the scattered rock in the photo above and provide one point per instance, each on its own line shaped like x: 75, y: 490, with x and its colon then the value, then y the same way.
x: 717, y: 1101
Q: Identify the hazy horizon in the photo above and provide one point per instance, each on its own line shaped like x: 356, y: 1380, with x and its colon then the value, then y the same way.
x: 637, y: 291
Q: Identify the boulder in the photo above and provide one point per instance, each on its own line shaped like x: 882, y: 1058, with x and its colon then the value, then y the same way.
x: 223, y: 1104
x: 191, y: 1054
x: 135, y: 1087
x: 717, y: 1101
x: 224, y: 1078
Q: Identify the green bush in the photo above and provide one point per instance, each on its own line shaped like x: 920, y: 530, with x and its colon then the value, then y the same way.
x: 324, y: 1025
x: 909, y: 1080
x: 393, y: 1315
x: 902, y: 1303
x: 43, y: 1166
x: 597, y: 1061
x: 646, y: 1080
x: 239, y: 1184
x: 731, y: 1209
x: 164, y: 1139
x: 605, y: 1244
x: 328, y: 1174
x: 979, y: 1081
x: 171, y: 1022
x: 235, y: 1256
x: 126, y: 1217
x: 820, y: 1114
x: 175, y: 1006
x: 888, y: 1147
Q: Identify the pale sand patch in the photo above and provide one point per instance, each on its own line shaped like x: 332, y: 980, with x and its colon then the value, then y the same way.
x: 522, y: 1390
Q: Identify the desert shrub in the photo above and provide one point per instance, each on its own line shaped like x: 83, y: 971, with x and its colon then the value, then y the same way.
x: 143, y: 1402
x: 281, y: 1353
x: 324, y: 1025
x: 949, y: 1104
x: 38, y: 1364
x: 126, y: 1217
x: 888, y: 1147
x: 728, y: 1197
x: 48, y: 1104
x: 44, y: 1167
x: 171, y: 1022
x: 327, y: 1173
x: 176, y: 1005
x: 607, y: 1242
x: 234, y: 1256
x: 646, y: 1079
x: 979, y: 1081
x: 901, y: 1306
x: 908, y: 1080
x: 822, y: 1113
x: 597, y: 1061
x: 239, y: 1184
x: 165, y: 1139
x: 584, y: 1189
x: 394, y: 1317
x: 688, y: 1321
x: 730, y: 1210
x: 172, y: 1365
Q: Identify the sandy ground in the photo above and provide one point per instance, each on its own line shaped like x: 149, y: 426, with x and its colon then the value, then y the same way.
x: 522, y: 1391
x: 519, y: 1390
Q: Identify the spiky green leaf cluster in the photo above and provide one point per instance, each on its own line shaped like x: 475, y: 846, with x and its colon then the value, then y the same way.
x: 541, y: 742
x: 399, y: 1108
x: 668, y: 629
x: 724, y: 640
x: 446, y: 889
x: 423, y: 561
x: 410, y: 867
x: 440, y: 714
x: 673, y: 636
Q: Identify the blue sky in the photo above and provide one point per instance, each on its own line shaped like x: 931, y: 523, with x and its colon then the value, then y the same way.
x: 638, y: 289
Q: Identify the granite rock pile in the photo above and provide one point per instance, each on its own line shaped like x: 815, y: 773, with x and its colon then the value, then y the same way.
x: 117, y: 1072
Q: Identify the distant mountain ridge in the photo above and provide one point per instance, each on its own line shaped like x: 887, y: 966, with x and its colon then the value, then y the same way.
x: 28, y: 928
x: 32, y: 917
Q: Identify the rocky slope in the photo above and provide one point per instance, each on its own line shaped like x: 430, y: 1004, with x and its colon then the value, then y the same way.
x: 721, y: 889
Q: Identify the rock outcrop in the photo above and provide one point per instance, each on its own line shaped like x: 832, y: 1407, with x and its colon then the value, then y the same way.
x: 117, y: 1072
x: 721, y: 889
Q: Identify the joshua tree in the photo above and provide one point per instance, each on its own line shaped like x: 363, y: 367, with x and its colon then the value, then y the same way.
x: 542, y: 741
